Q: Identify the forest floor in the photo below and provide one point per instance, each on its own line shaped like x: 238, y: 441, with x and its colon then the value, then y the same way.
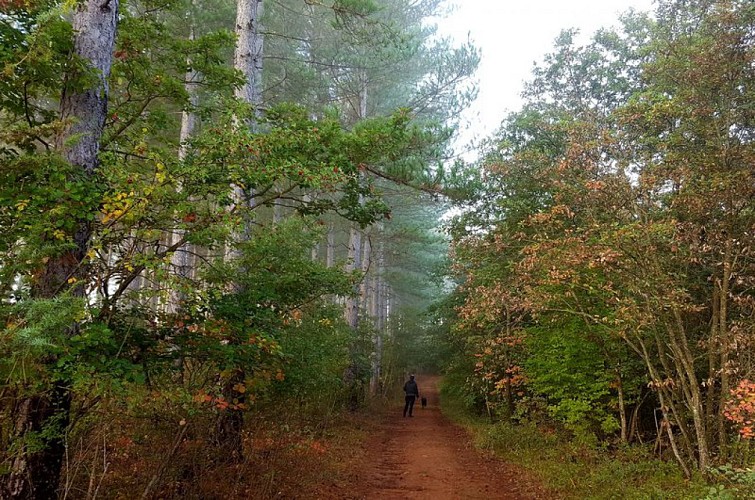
x: 428, y: 457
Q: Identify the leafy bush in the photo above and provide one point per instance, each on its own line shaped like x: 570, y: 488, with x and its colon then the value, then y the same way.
x: 732, y: 483
x: 570, y: 371
x: 568, y: 468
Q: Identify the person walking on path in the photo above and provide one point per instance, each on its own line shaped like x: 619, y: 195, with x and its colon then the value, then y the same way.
x: 412, y: 393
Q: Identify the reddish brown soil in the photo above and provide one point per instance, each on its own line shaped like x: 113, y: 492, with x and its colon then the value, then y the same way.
x: 428, y: 457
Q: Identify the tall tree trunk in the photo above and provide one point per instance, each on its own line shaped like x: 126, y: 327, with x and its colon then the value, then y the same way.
x: 662, y: 398
x: 351, y: 313
x: 248, y: 56
x: 353, y: 305
x: 330, y: 248
x: 387, y: 310
x: 181, y: 260
x: 377, y: 345
x: 714, y: 346
x: 375, y: 306
x: 230, y: 423
x: 35, y: 472
x: 384, y: 327
x: 691, y: 387
x: 724, y: 336
x: 248, y: 60
x: 363, y: 97
x: 364, y: 288
x: 622, y: 408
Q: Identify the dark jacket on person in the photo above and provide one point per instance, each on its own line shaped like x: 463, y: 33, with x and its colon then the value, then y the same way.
x: 411, y: 389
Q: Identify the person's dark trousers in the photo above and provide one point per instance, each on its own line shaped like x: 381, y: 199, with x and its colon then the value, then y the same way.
x: 409, y: 405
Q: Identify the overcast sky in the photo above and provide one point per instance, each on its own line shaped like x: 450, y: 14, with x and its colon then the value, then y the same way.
x: 512, y: 34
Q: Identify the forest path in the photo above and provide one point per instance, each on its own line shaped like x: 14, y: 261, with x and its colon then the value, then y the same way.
x: 428, y: 457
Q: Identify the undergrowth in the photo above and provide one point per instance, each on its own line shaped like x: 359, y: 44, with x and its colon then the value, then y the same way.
x: 570, y: 470
x: 285, y: 456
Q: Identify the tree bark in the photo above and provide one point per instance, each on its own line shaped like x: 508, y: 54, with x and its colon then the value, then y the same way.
x: 330, y: 247
x: 181, y: 259
x: 248, y: 60
x: 248, y: 55
x: 35, y: 473
x: 377, y: 342
x: 622, y: 409
x: 724, y: 336
x: 691, y: 387
x: 230, y: 422
x: 364, y: 287
x: 351, y: 312
x: 351, y: 316
x: 714, y: 343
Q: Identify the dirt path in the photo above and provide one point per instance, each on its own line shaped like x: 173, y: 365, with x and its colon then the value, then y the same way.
x: 427, y: 457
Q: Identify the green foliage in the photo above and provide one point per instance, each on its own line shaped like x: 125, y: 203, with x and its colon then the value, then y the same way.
x: 570, y: 372
x: 569, y: 469
x: 458, y: 398
x: 732, y: 483
x: 41, y: 199
x: 131, y: 326
x: 616, y: 201
x: 47, y: 341
x: 275, y: 269
x: 314, y: 360
x: 36, y: 45
x: 34, y: 328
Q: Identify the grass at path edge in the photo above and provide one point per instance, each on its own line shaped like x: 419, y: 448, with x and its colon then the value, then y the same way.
x: 569, y: 470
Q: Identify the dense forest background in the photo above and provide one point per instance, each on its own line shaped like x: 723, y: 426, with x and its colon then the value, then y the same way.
x: 224, y: 227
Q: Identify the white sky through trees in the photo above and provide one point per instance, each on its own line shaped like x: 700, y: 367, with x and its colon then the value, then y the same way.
x: 512, y: 35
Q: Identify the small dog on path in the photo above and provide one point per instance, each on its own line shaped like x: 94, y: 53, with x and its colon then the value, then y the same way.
x: 423, y: 400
